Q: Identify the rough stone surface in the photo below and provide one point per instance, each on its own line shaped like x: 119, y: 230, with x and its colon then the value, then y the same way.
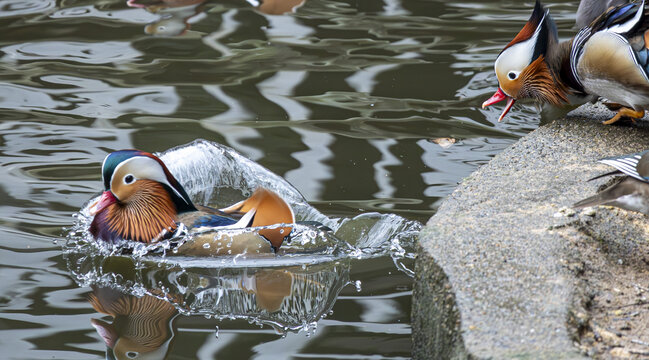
x: 506, y: 269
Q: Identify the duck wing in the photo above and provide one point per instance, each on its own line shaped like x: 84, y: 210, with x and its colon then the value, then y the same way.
x: 264, y: 208
x: 207, y: 217
x: 612, y: 52
x: 635, y: 165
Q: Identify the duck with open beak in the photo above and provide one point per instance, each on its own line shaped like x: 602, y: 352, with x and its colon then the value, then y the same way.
x: 499, y: 96
x: 609, y: 59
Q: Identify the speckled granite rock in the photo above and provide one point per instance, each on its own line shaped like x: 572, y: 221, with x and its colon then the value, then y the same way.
x: 499, y: 271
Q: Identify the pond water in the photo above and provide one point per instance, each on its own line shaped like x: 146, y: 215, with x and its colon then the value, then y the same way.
x: 346, y: 100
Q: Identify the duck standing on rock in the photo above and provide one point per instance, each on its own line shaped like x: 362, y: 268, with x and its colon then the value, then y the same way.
x: 632, y: 193
x: 143, y: 202
x: 608, y: 58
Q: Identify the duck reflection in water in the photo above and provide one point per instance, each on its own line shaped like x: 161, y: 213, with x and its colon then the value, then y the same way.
x: 288, y: 299
x: 142, y: 327
x: 271, y: 287
x: 176, y: 16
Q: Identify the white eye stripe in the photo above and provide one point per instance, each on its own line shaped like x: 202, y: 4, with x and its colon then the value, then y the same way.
x: 518, y: 56
x: 145, y: 168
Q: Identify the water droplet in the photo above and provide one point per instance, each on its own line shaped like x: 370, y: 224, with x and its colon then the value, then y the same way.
x: 357, y: 283
x: 216, y: 332
x: 206, y: 246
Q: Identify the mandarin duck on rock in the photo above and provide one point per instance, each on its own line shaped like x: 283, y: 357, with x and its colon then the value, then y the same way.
x: 143, y: 202
x: 632, y: 193
x: 606, y: 59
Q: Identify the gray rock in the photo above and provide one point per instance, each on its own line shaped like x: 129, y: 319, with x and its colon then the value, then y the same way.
x: 498, y: 273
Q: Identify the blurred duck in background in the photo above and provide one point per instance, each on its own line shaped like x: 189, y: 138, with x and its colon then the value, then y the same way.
x: 177, y: 16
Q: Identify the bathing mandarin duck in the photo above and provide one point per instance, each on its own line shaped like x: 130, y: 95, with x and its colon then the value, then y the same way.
x: 143, y: 202
x: 632, y: 193
x: 608, y: 58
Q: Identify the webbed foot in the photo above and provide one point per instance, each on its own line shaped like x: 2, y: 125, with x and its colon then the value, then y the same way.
x: 625, y: 112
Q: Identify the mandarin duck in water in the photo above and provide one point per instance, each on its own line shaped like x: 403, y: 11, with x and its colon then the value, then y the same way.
x: 143, y: 202
x: 632, y: 193
x: 608, y: 58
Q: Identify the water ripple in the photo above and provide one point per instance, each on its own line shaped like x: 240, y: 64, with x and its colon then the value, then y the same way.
x: 86, y: 53
x: 9, y: 8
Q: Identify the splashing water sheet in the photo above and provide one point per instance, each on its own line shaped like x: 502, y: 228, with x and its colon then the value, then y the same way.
x: 288, y: 291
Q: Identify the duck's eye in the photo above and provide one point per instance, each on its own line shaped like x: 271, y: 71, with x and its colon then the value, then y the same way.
x: 512, y: 75
x: 129, y: 179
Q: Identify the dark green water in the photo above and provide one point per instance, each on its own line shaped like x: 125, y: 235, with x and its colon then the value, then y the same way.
x: 341, y: 98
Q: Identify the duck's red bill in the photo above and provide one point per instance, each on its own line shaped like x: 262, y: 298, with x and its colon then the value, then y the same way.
x: 499, y: 96
x: 106, y: 199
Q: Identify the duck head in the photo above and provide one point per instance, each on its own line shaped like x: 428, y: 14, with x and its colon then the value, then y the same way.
x: 141, y: 198
x: 524, y: 67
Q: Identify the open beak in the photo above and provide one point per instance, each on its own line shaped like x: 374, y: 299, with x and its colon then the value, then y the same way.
x: 106, y: 199
x: 499, y: 96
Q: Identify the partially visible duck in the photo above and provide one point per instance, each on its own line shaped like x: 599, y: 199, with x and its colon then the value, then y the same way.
x: 632, y: 193
x: 608, y: 58
x: 590, y: 10
x: 143, y: 202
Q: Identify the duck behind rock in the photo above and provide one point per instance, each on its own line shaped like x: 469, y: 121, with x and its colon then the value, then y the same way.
x: 608, y: 58
x: 632, y: 193
x: 143, y: 202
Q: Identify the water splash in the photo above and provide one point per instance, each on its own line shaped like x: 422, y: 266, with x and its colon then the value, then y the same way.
x: 311, y: 269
